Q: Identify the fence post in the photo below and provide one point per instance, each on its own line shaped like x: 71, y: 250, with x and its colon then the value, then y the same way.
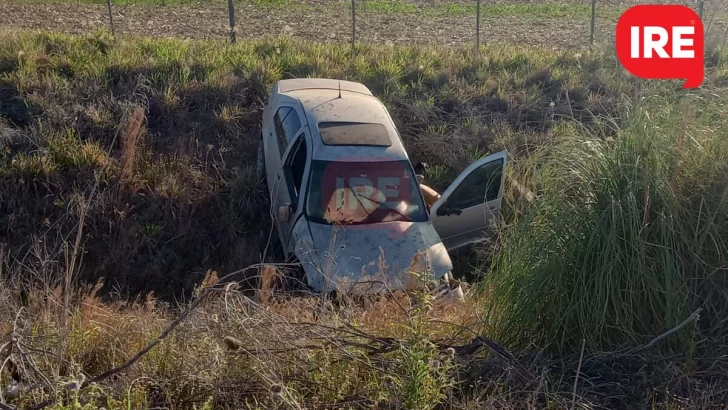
x: 353, y: 23
x: 593, y: 21
x: 477, y: 26
x: 111, y: 18
x: 231, y: 12
x: 700, y: 9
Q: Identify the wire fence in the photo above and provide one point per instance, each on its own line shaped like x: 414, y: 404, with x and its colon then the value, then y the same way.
x: 554, y: 23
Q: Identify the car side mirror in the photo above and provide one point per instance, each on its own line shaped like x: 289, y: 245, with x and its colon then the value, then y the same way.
x: 284, y: 213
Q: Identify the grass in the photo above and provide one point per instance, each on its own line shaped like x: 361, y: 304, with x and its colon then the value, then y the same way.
x: 626, y: 236
x: 538, y: 10
x: 64, y: 98
x: 624, y: 241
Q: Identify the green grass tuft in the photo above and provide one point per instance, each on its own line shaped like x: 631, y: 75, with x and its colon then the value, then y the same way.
x: 625, y: 237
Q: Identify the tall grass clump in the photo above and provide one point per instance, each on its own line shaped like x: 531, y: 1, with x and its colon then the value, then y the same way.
x: 625, y: 236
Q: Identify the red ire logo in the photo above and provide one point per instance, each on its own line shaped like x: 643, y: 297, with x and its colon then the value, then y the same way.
x: 662, y: 42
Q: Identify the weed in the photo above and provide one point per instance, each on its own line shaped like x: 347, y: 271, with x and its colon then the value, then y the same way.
x: 609, y: 252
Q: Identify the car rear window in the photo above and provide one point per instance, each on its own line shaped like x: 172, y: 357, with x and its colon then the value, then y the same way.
x: 354, y: 133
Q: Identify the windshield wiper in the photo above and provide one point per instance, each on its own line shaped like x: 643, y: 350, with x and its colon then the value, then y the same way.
x: 357, y: 194
x: 382, y: 203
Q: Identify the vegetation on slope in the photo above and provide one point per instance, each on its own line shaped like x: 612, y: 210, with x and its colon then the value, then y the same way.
x: 189, y: 202
x: 626, y: 238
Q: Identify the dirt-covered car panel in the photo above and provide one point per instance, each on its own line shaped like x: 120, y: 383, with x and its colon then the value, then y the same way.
x: 335, y: 256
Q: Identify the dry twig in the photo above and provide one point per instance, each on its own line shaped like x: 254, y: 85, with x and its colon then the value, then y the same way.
x: 202, y: 295
x: 578, y: 372
x: 504, y: 354
x: 692, y: 318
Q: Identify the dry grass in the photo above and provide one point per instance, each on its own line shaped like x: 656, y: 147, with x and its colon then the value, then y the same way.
x: 130, y: 140
x: 232, y: 352
x: 300, y: 344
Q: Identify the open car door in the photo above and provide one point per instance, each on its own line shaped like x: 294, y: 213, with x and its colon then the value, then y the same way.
x: 469, y: 207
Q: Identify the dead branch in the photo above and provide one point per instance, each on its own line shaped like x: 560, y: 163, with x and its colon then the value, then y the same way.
x: 692, y: 318
x: 138, y: 355
x: 348, y: 402
x: 501, y: 352
x: 350, y: 330
x: 386, y: 288
x: 523, y: 191
x: 461, y: 328
x: 202, y: 295
x: 578, y: 372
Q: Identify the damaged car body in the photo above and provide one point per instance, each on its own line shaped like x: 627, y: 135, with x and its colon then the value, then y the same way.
x: 346, y: 200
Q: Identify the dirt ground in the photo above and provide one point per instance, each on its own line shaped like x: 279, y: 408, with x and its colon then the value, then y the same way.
x: 317, y: 24
x: 321, y: 23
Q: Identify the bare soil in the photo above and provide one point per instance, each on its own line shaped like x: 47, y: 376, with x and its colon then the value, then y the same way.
x: 317, y: 24
x: 325, y: 20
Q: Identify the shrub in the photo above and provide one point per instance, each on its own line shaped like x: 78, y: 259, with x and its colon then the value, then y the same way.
x: 626, y: 236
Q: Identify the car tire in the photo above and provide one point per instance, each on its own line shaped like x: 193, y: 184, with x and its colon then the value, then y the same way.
x: 260, y: 163
x: 296, y: 277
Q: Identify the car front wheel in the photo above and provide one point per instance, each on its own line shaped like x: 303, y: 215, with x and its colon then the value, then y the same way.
x: 296, y: 276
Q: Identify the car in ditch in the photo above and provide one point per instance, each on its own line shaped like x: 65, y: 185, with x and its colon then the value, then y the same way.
x: 344, y: 196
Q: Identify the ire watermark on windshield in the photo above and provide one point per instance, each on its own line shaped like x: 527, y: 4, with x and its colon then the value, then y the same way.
x: 363, y: 193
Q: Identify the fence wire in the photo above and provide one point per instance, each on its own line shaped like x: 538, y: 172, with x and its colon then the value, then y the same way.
x: 561, y: 24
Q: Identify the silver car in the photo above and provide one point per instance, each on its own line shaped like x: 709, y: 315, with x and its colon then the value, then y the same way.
x: 346, y: 200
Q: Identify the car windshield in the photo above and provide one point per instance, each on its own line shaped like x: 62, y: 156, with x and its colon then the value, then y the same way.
x: 358, y: 193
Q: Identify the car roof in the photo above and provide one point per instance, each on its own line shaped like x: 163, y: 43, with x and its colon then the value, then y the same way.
x: 294, y: 84
x: 331, y: 105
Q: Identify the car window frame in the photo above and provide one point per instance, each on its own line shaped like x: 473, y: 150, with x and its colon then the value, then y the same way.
x: 279, y: 130
x: 456, y: 227
x: 424, y: 213
x: 475, y: 201
x: 283, y: 140
x: 295, y: 147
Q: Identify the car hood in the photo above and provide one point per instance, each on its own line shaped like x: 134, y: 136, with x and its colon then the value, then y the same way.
x: 374, y: 256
